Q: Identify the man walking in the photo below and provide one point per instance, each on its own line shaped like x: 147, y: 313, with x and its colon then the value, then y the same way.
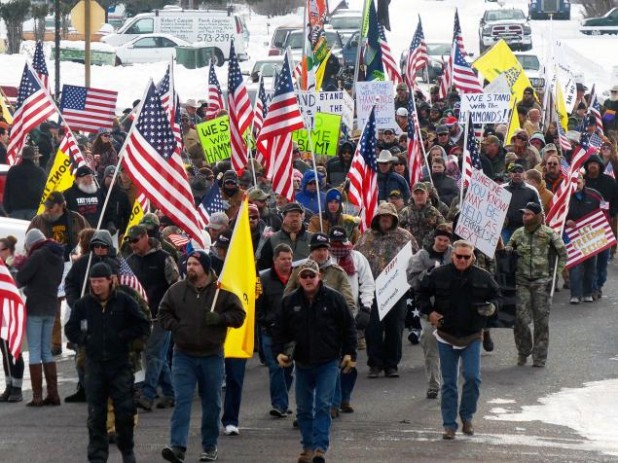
x: 199, y: 333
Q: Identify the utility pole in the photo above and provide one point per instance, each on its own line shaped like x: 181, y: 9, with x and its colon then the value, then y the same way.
x: 57, y: 48
x: 87, y: 42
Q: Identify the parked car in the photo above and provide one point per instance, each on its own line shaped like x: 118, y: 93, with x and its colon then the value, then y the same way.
x: 607, y: 24
x: 15, y: 227
x: 296, y: 41
x: 278, y: 38
x: 268, y: 68
x: 542, y: 9
x: 149, y: 48
x: 438, y: 53
x: 510, y: 24
x: 346, y: 22
x: 533, y: 68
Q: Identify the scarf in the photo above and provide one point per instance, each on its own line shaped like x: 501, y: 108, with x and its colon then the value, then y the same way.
x: 343, y: 253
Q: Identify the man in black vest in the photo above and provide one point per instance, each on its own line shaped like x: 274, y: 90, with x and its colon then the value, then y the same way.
x: 156, y: 271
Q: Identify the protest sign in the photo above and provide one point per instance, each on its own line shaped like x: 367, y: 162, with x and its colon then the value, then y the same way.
x: 60, y: 178
x: 338, y: 102
x: 324, y: 136
x: 215, y: 139
x: 392, y: 283
x: 486, y: 108
x: 482, y: 213
x: 379, y: 94
x: 589, y: 236
x: 570, y: 94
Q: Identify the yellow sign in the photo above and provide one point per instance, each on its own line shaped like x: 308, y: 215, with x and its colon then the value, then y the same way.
x: 59, y: 179
x: 324, y: 136
x: 137, y: 214
x: 78, y: 16
x: 215, y: 139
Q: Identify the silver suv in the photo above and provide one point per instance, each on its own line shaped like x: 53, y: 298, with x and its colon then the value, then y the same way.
x: 510, y: 24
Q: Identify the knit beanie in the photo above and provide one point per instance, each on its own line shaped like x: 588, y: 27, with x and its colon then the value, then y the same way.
x: 100, y: 270
x: 33, y: 237
x: 203, y: 257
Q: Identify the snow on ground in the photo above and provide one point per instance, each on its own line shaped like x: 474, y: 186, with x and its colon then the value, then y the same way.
x: 588, y: 56
x: 573, y: 408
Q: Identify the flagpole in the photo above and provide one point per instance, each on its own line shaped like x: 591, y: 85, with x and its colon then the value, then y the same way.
x: 250, y: 155
x: 364, y: 26
x: 463, y: 165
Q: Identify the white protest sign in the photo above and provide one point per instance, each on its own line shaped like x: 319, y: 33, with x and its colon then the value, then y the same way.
x: 482, y: 213
x: 570, y: 95
x: 487, y: 108
x: 312, y: 102
x: 498, y: 85
x: 379, y: 94
x: 392, y: 283
x: 348, y: 111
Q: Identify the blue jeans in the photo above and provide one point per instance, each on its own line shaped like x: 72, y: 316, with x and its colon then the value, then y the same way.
x: 207, y: 373
x: 280, y: 378
x: 601, y: 273
x: 157, y: 368
x: 582, y: 278
x: 39, y: 333
x: 506, y: 234
x: 449, y: 362
x: 234, y: 378
x: 345, y: 386
x: 315, y: 388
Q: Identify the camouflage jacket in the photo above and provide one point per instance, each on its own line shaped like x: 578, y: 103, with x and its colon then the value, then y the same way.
x: 534, y: 249
x: 380, y: 248
x: 421, y: 222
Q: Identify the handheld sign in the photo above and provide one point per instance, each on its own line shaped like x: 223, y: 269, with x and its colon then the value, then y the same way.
x: 482, y: 213
x: 215, y: 138
x: 379, y: 94
x: 325, y: 135
x: 392, y: 283
x: 486, y: 108
x: 589, y: 236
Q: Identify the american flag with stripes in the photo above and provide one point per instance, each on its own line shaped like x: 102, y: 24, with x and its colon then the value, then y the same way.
x: 211, y: 202
x: 240, y: 111
x: 564, y: 166
x: 457, y: 35
x: 39, y: 65
x: 283, y: 118
x: 417, y: 55
x: 595, y: 142
x: 178, y: 240
x: 363, y: 174
x: 215, y: 95
x: 463, y: 77
x: 88, y: 109
x: 13, y: 323
x: 446, y: 80
x: 565, y: 144
x: 389, y: 63
x: 415, y: 151
x: 171, y: 104
x: 151, y: 160
x: 259, y: 113
x: 609, y: 170
x: 471, y: 154
x: 34, y: 106
x: 594, y: 110
x: 127, y: 277
x: 594, y: 221
x: 68, y: 145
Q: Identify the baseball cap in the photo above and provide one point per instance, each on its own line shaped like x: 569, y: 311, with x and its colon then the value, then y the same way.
x: 83, y: 171
x: 136, y: 231
x: 491, y: 140
x: 338, y: 234
x: 441, y: 129
x: 292, y: 207
x: 402, y: 112
x: 309, y: 266
x: 532, y: 207
x: 258, y: 195
x: 55, y: 197
x: 218, y: 220
x: 419, y: 186
x: 319, y: 240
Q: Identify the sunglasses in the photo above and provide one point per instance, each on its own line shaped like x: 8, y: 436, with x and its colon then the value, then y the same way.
x: 253, y: 217
x: 463, y: 256
x: 100, y: 245
x: 135, y: 240
x: 307, y: 276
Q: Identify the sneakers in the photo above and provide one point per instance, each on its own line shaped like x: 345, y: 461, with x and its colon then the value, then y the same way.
x: 575, y: 300
x: 521, y: 360
x: 229, y: 430
x: 448, y: 434
x: 468, y: 428
x: 346, y: 407
x: 278, y: 413
x: 166, y: 402
x: 414, y: 337
x: 374, y: 372
x: 538, y: 364
x: 209, y: 455
x: 174, y: 455
x: 144, y: 402
x: 432, y: 393
x: 391, y: 373
x: 488, y: 343
x: 588, y: 299
x: 334, y: 412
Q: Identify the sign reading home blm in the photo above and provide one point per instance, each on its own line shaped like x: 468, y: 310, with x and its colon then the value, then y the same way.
x: 486, y: 108
x: 380, y: 95
x: 324, y: 135
x: 482, y: 213
x: 215, y: 139
x: 392, y: 283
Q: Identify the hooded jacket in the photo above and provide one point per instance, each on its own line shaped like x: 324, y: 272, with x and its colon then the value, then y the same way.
x: 392, y: 181
x: 24, y: 186
x: 604, y: 184
x: 337, y: 168
x: 310, y: 199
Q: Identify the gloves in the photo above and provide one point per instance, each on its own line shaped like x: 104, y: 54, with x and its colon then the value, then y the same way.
x: 111, y: 228
x: 284, y: 361
x: 362, y: 318
x: 486, y: 309
x: 213, y: 318
x: 347, y: 364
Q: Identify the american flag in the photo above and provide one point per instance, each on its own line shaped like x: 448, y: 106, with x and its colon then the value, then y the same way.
x: 389, y: 63
x: 471, y: 154
x: 596, y: 221
x: 211, y: 203
x: 283, y: 118
x: 68, y: 145
x: 171, y: 104
x: 564, y: 142
x: 88, y: 109
x: 609, y: 170
x: 215, y: 95
x: 261, y: 109
x: 463, y: 77
x: 363, y: 173
x: 564, y: 166
x: 240, y: 112
x: 128, y: 278
x: 447, y: 71
x: 34, y: 106
x: 417, y: 55
x: 595, y: 142
x: 179, y: 241
x: 151, y: 160
x: 594, y: 110
x: 457, y: 35
x: 415, y: 152
x: 13, y: 312
x: 39, y: 65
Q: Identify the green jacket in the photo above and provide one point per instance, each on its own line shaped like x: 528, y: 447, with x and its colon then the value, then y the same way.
x: 535, y: 249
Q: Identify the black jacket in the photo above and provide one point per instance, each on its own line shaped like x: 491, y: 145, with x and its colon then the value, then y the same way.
x: 24, y: 186
x: 109, y: 330
x: 522, y: 194
x: 455, y: 294
x: 446, y: 186
x: 268, y: 305
x: 583, y: 203
x: 41, y: 275
x: 323, y: 331
x: 74, y: 280
x: 608, y: 188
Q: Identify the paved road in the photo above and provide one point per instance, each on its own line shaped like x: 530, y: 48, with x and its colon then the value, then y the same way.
x: 393, y: 421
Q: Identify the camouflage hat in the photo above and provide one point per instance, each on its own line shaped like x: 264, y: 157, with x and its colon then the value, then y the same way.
x: 309, y: 266
x: 150, y: 221
x: 419, y: 186
x: 258, y: 195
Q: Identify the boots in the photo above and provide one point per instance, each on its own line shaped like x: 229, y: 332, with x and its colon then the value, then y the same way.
x: 51, y: 378
x: 16, y: 395
x: 36, y: 378
x: 78, y: 396
x: 4, y: 397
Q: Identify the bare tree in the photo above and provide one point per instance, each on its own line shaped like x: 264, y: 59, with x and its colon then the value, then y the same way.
x: 39, y: 12
x: 598, y: 7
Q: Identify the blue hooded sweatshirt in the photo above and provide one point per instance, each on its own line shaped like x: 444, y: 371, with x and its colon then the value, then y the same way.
x: 308, y: 199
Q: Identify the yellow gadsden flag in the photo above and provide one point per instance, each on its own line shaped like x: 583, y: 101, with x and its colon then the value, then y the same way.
x: 561, y: 109
x: 239, y: 277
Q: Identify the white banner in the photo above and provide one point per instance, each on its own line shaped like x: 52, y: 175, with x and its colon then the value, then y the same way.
x: 392, y: 283
x: 482, y: 213
x: 486, y: 108
x: 379, y: 94
x: 311, y: 102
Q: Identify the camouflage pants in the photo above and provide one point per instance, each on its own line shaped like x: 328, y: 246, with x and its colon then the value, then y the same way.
x: 532, y: 307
